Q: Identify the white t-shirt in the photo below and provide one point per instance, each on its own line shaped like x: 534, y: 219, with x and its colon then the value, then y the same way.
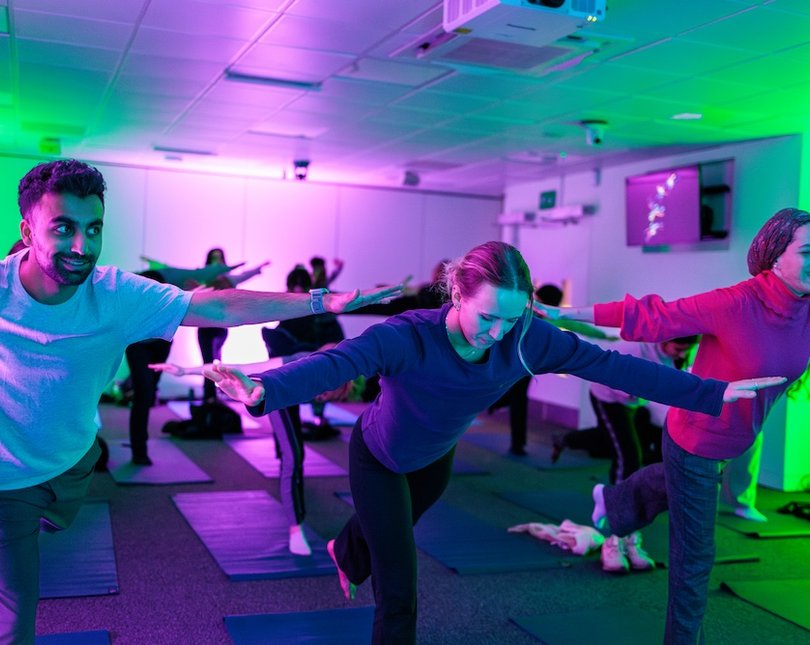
x: 55, y: 361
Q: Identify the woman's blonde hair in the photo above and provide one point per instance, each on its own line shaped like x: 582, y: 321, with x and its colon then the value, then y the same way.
x: 496, y: 263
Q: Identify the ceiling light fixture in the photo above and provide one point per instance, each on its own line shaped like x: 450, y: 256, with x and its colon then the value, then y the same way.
x: 183, y: 151
x: 309, y: 86
x: 687, y: 116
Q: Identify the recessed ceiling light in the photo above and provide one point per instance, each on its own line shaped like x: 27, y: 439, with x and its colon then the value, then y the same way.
x: 687, y: 116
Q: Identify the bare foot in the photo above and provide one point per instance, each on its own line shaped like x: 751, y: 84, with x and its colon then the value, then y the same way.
x: 599, y: 515
x: 349, y: 588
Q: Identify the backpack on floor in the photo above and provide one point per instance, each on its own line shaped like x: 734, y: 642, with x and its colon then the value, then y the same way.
x: 208, y: 421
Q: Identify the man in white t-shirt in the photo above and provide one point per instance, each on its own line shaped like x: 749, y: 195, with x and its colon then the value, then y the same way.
x: 64, y: 326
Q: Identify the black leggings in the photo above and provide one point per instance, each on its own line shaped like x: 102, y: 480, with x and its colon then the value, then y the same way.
x: 211, y: 340
x: 289, y: 446
x: 144, y: 388
x: 378, y: 539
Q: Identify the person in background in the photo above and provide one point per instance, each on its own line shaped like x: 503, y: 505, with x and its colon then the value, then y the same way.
x: 64, y: 325
x: 327, y: 327
x: 212, y: 339
x: 624, y: 419
x: 439, y: 369
x: 758, y: 326
x: 517, y: 398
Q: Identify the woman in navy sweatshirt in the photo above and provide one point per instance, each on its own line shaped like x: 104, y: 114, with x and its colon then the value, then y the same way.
x: 439, y: 369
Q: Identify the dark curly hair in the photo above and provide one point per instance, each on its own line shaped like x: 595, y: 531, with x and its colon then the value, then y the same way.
x: 62, y: 176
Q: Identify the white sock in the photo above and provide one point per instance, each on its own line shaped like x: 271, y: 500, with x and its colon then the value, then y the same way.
x: 599, y: 515
x: 298, y: 541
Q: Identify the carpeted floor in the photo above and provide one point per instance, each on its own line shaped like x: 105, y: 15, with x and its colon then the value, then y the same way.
x: 172, y: 591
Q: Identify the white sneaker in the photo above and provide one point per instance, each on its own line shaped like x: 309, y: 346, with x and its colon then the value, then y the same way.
x: 638, y: 558
x: 613, y: 558
x: 750, y: 513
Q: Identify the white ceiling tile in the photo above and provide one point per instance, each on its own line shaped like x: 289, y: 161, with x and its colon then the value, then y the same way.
x: 390, y: 71
x: 75, y: 31
x: 117, y: 11
x: 315, y: 33
x: 172, y: 44
x: 67, y: 56
x: 291, y: 63
x: 206, y: 18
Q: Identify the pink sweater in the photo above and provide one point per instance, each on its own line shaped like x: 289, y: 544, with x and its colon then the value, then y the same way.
x: 755, y: 328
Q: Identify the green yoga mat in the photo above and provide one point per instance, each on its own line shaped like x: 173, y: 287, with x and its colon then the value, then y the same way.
x: 788, y: 599
x: 625, y: 625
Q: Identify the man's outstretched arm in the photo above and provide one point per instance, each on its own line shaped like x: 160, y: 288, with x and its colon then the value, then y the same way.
x: 233, y: 307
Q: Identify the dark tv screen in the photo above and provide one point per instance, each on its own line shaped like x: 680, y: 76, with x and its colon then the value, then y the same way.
x: 663, y: 207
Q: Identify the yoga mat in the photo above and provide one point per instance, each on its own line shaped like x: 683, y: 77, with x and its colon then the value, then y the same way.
x: 97, y: 637
x: 247, y: 534
x: 777, y: 526
x: 626, y: 625
x: 468, y: 545
x: 539, y: 455
x: 464, y: 467
x: 334, y: 414
x: 182, y: 410
x: 326, y: 627
x: 170, y: 465
x: 260, y: 453
x: 80, y: 560
x: 788, y: 599
x: 562, y: 504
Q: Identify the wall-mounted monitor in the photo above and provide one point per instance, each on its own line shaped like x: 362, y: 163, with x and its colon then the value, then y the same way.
x: 684, y: 208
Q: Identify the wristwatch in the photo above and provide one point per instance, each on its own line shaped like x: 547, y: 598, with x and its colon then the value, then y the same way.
x: 316, y: 300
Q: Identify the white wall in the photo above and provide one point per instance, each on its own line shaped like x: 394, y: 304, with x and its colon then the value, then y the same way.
x: 173, y: 216
x: 594, y: 256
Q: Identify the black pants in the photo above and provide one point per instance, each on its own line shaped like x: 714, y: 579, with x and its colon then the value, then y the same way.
x: 144, y: 388
x: 378, y: 539
x: 517, y: 398
x: 211, y: 340
x: 619, y: 421
x: 290, y: 451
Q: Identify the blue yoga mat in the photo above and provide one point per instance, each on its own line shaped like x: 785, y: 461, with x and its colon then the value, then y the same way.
x: 260, y: 452
x: 170, y: 465
x: 627, y: 625
x: 464, y: 467
x: 97, y: 637
x: 79, y: 561
x: 468, y: 545
x: 327, y: 627
x: 539, y: 455
x: 247, y: 534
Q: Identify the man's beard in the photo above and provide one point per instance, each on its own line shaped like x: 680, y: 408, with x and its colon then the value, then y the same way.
x: 64, y: 274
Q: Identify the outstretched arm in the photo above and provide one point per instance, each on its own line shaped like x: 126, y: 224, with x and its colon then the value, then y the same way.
x: 232, y: 307
x: 179, y: 370
x: 248, y: 274
x: 561, y: 314
x: 747, y: 388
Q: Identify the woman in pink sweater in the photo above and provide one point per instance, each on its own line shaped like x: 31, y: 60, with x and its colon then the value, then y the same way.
x: 759, y: 326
